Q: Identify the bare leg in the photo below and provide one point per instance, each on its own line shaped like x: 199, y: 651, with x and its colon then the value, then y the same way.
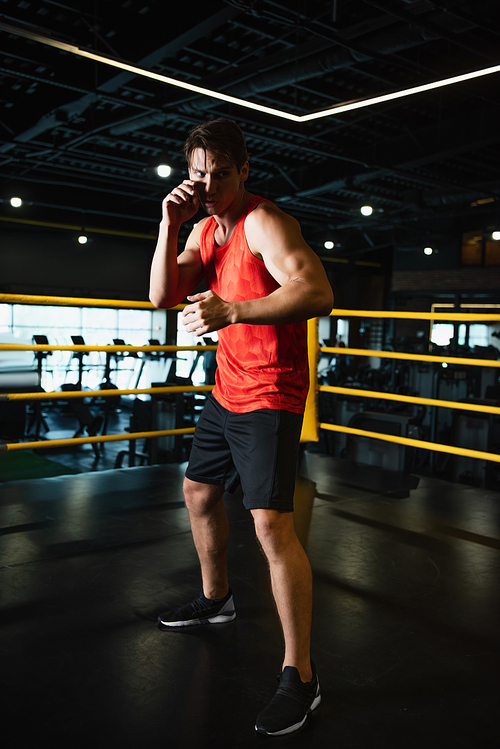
x: 291, y: 581
x: 210, y: 529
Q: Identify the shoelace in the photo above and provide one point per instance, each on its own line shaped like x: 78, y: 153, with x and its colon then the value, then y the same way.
x: 199, y: 604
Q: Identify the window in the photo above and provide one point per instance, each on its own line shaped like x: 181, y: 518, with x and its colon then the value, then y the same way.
x: 343, y: 332
x: 186, y: 359
x: 98, y: 327
x: 442, y: 333
x: 479, y: 248
x: 478, y: 335
x: 472, y: 248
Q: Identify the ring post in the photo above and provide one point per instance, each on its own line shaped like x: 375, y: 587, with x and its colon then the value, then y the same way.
x: 310, y: 423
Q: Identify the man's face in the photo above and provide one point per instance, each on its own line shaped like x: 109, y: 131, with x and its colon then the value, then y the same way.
x: 218, y: 182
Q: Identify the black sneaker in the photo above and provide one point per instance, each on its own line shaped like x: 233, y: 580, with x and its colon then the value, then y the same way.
x: 200, y: 611
x: 290, y: 706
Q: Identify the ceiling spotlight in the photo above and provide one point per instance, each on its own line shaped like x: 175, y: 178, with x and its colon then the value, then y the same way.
x: 366, y: 210
x: 428, y: 251
x: 16, y: 202
x: 495, y: 235
x: 329, y: 245
x: 163, y: 170
x: 82, y: 239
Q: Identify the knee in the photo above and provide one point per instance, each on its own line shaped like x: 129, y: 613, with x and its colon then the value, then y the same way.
x: 200, y: 498
x: 274, y: 530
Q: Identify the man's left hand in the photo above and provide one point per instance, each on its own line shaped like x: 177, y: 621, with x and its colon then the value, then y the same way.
x: 207, y: 313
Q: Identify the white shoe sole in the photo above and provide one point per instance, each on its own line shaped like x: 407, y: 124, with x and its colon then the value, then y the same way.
x: 219, y: 619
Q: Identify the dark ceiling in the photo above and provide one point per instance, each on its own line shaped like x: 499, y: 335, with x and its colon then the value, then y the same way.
x: 80, y: 139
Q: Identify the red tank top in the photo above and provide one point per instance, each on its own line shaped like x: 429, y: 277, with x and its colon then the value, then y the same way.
x: 259, y: 366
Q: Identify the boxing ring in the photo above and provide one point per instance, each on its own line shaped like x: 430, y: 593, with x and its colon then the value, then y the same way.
x: 311, y: 427
x: 406, y: 605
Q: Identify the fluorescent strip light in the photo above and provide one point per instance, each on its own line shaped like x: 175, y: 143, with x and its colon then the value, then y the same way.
x: 336, y: 109
x: 145, y: 73
x: 359, y: 104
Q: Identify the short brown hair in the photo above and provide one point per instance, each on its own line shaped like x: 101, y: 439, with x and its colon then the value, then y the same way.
x: 223, y: 138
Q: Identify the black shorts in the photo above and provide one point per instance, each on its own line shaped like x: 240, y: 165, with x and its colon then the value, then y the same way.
x: 258, y: 450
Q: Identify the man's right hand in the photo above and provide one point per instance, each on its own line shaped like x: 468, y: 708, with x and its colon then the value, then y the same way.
x: 181, y: 204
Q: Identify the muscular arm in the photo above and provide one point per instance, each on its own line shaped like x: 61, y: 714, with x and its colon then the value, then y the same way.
x: 304, y: 289
x: 174, y: 277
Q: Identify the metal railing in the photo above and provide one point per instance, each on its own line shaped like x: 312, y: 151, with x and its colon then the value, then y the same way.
x: 105, y: 393
x: 423, y: 444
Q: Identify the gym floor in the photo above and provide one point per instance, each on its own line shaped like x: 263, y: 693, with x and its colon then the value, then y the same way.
x: 406, y: 616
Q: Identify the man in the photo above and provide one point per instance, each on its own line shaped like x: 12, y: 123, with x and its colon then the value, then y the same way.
x: 263, y: 283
